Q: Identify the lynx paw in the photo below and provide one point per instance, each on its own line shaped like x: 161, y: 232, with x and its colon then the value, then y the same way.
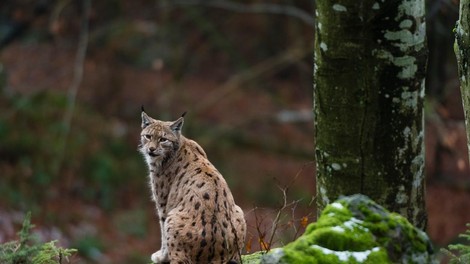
x: 160, y: 257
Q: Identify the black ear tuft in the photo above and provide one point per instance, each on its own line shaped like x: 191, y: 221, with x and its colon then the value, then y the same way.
x: 142, y: 107
x: 184, y: 113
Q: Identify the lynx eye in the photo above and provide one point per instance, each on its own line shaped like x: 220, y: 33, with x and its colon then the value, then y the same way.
x: 162, y: 139
x: 147, y: 136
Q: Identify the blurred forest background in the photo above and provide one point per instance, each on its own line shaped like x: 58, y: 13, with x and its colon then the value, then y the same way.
x: 74, y: 74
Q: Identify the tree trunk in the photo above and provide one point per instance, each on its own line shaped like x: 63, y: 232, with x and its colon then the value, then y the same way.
x: 370, y: 59
x: 462, y: 52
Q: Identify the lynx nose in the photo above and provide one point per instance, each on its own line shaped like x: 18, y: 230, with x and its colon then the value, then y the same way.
x: 152, y: 151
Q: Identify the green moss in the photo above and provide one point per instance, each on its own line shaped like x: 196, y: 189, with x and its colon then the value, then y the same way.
x: 321, y: 255
x: 355, y: 229
x: 253, y: 258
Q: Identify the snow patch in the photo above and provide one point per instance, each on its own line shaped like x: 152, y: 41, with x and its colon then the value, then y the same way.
x: 338, y: 229
x: 337, y: 205
x: 359, y: 256
x: 354, y: 223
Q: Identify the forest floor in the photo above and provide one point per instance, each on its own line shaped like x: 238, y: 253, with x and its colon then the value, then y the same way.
x: 269, y: 153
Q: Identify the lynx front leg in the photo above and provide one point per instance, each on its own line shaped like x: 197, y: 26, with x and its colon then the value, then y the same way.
x: 162, y: 256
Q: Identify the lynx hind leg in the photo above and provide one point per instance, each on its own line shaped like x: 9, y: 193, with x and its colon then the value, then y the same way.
x: 181, y: 238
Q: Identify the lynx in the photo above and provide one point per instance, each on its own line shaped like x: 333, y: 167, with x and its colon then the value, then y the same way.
x: 199, y: 220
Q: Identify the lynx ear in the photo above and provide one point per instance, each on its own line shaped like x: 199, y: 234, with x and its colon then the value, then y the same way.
x: 146, y: 120
x: 177, y: 125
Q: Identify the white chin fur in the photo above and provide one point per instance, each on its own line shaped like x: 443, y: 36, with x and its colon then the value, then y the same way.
x: 151, y: 160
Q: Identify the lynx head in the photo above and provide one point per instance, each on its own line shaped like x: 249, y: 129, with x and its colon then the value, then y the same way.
x: 160, y: 140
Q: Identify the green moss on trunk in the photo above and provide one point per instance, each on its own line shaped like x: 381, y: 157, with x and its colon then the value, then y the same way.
x: 462, y: 52
x: 369, y: 73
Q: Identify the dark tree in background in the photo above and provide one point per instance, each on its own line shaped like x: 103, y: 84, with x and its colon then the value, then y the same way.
x: 370, y: 59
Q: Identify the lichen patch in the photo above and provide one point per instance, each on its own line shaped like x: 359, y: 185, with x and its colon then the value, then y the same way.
x: 339, y: 8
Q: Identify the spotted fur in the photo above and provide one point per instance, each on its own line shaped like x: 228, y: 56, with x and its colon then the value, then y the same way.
x: 199, y: 220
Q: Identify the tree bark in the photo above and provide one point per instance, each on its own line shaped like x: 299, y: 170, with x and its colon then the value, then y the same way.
x: 462, y: 52
x: 370, y: 60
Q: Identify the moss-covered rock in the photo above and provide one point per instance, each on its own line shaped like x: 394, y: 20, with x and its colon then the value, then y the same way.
x: 254, y: 258
x: 355, y: 229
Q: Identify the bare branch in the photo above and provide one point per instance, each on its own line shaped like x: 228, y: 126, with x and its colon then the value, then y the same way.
x: 76, y: 81
x: 268, y: 234
x: 274, y: 64
x: 258, y: 8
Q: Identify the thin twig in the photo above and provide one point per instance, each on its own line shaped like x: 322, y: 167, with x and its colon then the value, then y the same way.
x: 76, y: 81
x: 285, y: 205
x: 310, y: 163
x: 293, y: 221
x: 258, y: 8
x: 261, y: 234
x: 277, y: 222
x: 277, y: 218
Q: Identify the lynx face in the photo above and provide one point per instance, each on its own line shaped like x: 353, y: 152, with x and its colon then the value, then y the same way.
x: 159, y: 141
